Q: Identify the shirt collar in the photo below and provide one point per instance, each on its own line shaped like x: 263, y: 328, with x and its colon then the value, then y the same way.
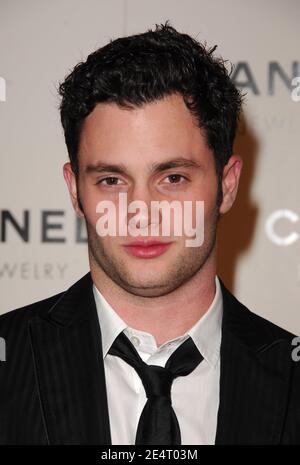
x: 206, y: 332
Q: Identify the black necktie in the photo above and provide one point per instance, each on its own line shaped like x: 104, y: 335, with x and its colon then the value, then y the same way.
x: 158, y: 423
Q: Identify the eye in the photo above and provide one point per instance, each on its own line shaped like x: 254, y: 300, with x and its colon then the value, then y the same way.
x: 110, y: 181
x: 174, y: 178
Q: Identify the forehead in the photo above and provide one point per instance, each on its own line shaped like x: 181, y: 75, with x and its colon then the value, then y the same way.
x: 161, y: 128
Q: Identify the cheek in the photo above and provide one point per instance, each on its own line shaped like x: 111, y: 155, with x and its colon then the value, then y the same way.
x: 90, y: 199
x: 209, y: 194
x: 206, y: 207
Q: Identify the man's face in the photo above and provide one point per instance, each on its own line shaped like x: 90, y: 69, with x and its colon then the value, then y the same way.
x: 137, y: 141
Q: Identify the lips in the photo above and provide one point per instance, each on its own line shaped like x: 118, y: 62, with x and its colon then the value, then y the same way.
x: 147, y: 248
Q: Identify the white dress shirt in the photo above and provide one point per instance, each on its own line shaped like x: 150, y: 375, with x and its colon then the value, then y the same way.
x: 195, y: 397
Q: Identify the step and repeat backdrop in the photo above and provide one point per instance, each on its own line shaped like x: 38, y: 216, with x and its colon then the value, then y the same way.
x: 43, y: 247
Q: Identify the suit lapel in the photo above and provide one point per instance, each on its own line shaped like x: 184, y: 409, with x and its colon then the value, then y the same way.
x: 254, y: 381
x: 67, y: 354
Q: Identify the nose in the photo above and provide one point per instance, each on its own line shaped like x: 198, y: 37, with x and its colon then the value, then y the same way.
x: 141, y: 211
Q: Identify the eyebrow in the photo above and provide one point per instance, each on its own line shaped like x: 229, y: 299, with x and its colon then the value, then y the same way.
x: 180, y: 162
x: 101, y: 167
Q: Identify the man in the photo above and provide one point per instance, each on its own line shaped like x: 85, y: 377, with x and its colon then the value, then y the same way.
x: 149, y: 347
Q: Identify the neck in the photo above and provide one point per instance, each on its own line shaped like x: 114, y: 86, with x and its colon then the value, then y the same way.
x: 165, y: 317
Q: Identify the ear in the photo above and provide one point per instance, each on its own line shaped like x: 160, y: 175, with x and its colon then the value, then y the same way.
x: 70, y: 179
x: 230, y: 182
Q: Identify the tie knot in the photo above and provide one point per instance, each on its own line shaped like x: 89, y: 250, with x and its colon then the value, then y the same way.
x: 156, y: 380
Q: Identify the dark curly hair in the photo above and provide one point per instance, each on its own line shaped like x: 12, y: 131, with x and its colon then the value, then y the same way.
x: 135, y: 70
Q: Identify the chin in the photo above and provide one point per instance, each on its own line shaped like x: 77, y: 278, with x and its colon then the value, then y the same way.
x: 145, y: 280
x: 145, y: 277
x: 148, y: 267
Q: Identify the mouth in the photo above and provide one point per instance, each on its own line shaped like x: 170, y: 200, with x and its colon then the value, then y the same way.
x: 147, y: 248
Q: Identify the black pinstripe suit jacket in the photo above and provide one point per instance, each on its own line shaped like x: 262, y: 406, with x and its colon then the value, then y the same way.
x: 53, y: 390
